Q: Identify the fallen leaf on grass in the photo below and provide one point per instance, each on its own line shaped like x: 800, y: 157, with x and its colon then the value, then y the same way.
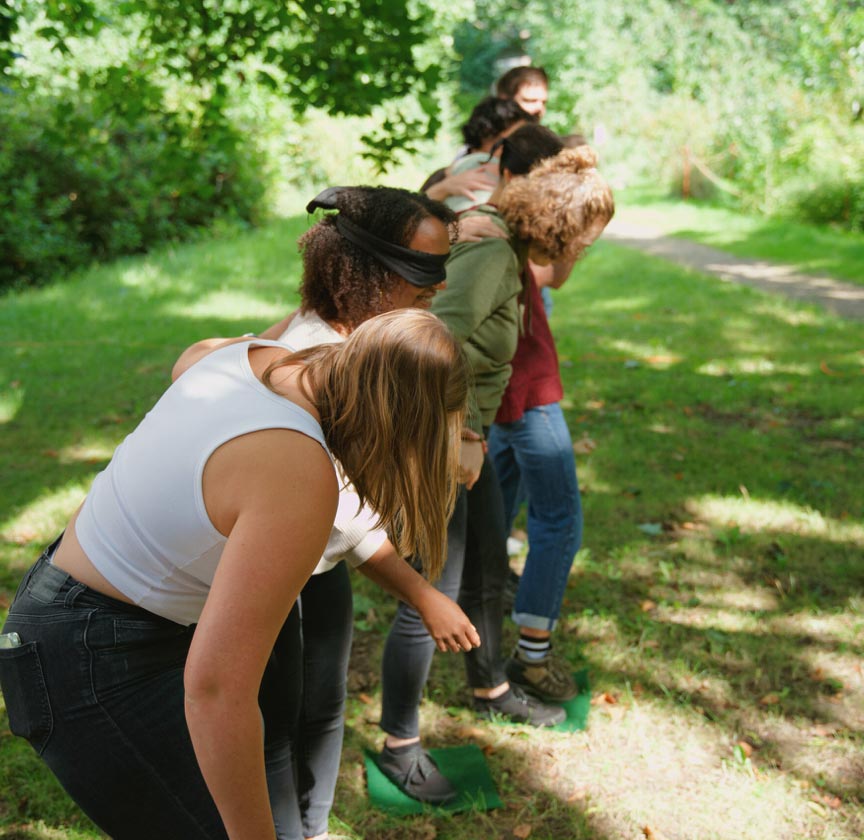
x: 595, y: 405
x: 579, y: 792
x: 604, y: 699
x: 4, y: 602
x: 469, y: 732
x: 818, y: 809
x: 652, y: 833
x: 584, y: 446
x: 770, y: 700
x: 522, y: 831
x: 488, y: 750
x: 831, y: 801
x: 364, y: 698
x: 50, y: 453
x: 746, y: 748
x: 647, y: 605
x: 823, y: 366
x: 824, y: 730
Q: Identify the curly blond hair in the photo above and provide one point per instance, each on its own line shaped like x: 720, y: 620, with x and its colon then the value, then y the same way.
x: 561, y: 205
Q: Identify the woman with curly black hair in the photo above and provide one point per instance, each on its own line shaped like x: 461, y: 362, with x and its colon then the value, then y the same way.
x: 383, y: 249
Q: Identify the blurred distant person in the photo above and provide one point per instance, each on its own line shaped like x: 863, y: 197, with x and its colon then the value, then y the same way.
x: 527, y: 86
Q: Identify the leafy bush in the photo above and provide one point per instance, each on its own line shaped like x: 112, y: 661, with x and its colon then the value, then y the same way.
x: 80, y: 184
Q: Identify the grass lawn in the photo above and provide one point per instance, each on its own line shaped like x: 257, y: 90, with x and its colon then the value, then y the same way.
x: 812, y: 250
x: 718, y: 601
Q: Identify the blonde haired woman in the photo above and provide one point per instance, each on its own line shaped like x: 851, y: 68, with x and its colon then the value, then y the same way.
x: 141, y: 636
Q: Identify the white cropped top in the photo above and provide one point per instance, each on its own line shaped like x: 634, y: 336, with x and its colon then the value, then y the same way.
x: 144, y: 525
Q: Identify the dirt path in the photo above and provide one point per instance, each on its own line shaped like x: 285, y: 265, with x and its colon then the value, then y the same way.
x: 843, y: 299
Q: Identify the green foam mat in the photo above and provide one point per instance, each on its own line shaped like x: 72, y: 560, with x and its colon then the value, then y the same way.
x: 464, y: 766
x: 578, y: 707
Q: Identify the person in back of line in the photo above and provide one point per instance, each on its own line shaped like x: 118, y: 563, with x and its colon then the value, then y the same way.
x: 528, y: 87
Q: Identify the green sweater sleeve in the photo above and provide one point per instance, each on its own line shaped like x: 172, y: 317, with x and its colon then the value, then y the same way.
x: 479, y: 306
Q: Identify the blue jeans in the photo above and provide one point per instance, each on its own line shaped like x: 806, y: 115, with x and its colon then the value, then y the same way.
x: 96, y: 687
x: 534, y: 460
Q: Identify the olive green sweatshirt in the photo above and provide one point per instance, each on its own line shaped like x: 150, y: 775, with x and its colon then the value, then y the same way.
x: 481, y: 309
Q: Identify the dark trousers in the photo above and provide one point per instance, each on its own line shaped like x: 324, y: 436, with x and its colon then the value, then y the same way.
x: 96, y: 687
x: 474, y: 573
x: 303, y: 750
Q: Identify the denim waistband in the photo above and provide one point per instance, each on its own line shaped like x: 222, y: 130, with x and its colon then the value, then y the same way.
x: 49, y: 584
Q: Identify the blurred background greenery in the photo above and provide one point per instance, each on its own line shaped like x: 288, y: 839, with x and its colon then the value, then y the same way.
x: 124, y: 124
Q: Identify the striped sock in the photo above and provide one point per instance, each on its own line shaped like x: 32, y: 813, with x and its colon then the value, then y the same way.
x: 534, y: 649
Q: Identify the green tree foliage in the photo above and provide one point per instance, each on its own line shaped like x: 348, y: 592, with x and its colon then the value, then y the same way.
x: 119, y: 124
x: 756, y: 101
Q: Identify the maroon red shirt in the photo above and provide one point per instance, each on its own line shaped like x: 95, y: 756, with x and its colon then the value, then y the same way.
x: 535, y: 379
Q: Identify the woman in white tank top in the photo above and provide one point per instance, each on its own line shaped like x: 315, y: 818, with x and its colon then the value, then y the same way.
x: 139, y: 639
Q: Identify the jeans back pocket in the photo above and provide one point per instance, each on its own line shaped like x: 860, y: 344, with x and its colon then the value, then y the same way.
x: 26, y: 695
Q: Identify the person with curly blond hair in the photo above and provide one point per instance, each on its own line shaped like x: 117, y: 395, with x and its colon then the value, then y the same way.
x: 529, y: 441
x: 481, y: 305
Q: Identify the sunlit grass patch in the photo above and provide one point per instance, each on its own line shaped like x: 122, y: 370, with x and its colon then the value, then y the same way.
x: 45, y: 517
x: 773, y: 516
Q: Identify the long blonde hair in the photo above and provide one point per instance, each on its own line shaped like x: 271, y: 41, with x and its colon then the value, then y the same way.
x: 392, y: 400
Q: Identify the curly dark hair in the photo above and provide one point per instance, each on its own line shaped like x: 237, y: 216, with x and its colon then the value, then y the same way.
x: 341, y: 282
x: 489, y: 118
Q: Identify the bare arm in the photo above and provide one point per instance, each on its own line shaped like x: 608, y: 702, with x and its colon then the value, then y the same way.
x: 447, y: 624
x: 464, y: 183
x: 277, y: 516
x: 475, y: 228
x: 198, y: 351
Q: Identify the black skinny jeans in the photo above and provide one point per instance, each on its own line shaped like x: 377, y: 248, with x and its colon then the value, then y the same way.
x: 475, y: 572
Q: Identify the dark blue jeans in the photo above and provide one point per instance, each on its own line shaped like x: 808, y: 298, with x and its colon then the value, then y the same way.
x: 534, y: 458
x: 475, y: 571
x: 96, y: 687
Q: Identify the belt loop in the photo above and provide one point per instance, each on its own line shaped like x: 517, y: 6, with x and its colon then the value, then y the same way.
x: 73, y: 593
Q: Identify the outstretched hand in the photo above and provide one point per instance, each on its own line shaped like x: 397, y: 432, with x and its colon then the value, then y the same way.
x: 479, y: 178
x: 449, y: 627
x: 475, y: 228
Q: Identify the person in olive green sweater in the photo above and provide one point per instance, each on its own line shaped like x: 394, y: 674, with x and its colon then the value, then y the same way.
x: 481, y: 306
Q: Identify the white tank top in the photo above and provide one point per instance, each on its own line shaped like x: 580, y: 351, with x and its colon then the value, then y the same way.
x: 144, y: 525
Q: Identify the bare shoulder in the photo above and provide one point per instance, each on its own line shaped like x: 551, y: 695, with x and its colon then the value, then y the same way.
x: 266, y: 474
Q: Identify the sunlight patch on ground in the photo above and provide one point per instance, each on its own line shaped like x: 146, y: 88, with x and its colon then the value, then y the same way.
x: 140, y: 274
x: 661, y: 357
x: 216, y: 304
x: 687, y: 760
x: 786, y: 517
x: 86, y: 453
x: 755, y: 365
x: 10, y: 403
x: 826, y: 629
x: 726, y: 621
x: 45, y: 517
